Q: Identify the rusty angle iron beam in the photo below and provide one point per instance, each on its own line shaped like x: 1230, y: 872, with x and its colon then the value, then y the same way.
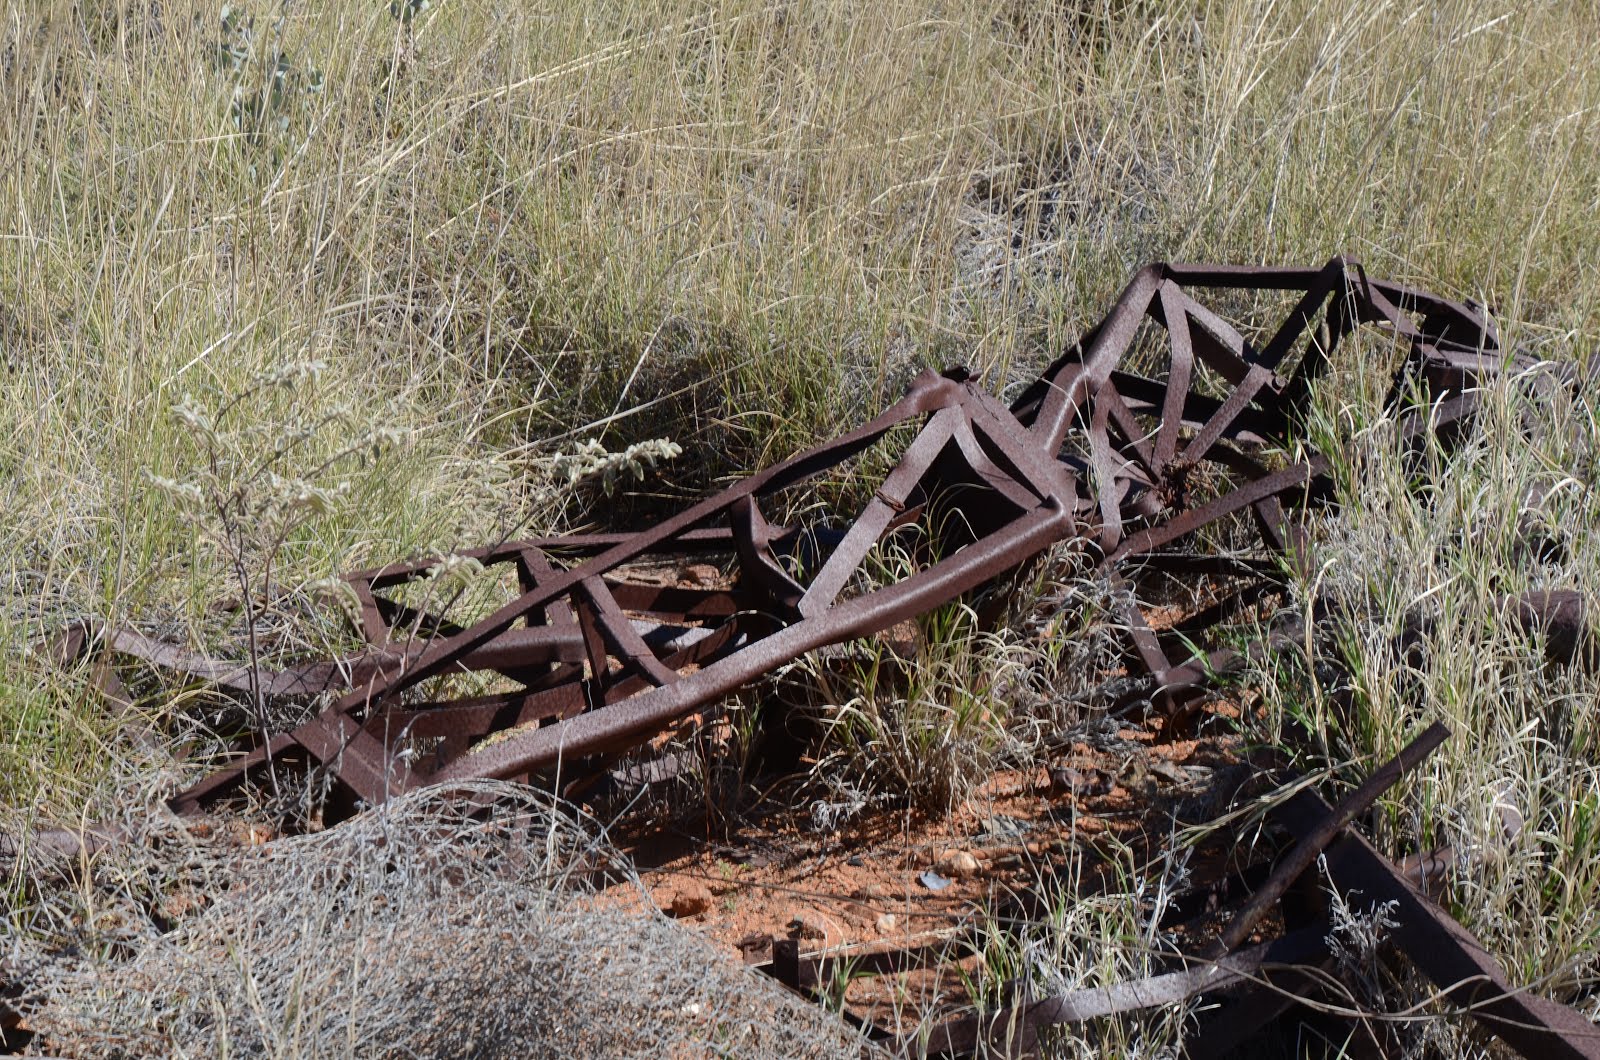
x: 1445, y: 951
x: 1312, y: 843
x: 1015, y: 1030
x: 1272, y: 974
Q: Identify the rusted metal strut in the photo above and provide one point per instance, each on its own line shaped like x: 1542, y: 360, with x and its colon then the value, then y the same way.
x: 1250, y: 983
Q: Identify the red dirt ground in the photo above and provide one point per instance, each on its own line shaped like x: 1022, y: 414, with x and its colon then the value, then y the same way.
x: 861, y: 889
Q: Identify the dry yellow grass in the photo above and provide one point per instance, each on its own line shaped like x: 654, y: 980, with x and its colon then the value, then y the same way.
x: 505, y: 226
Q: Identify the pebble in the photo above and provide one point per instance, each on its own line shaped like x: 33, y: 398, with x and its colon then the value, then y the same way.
x: 1084, y: 783
x: 689, y: 900
x: 1167, y: 771
x: 887, y: 923
x: 957, y: 864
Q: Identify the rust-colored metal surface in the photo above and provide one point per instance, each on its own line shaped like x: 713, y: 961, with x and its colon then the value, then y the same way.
x: 1162, y: 431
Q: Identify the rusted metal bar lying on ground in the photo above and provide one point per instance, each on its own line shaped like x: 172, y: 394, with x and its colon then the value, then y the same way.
x: 1312, y: 843
x: 1276, y: 967
x: 1444, y: 951
x: 1562, y: 616
x: 1015, y: 1031
x: 1263, y: 979
x: 583, y: 660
